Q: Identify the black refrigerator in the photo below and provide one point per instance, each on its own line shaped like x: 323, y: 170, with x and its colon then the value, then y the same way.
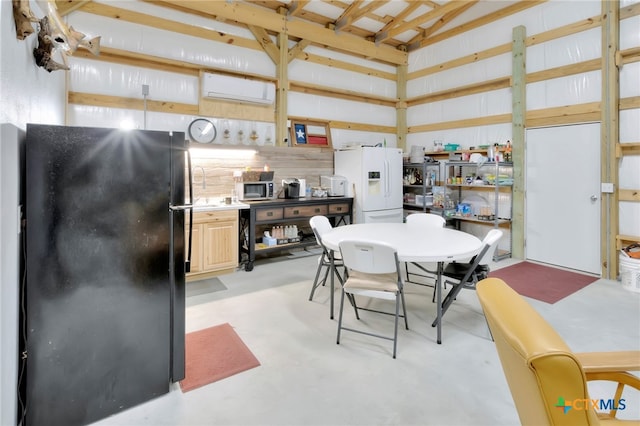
x: 103, y: 296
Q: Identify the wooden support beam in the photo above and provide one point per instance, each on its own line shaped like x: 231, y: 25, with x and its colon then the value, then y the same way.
x: 518, y: 120
x: 282, y: 89
x: 131, y: 103
x: 363, y: 127
x: 569, y: 114
x: 444, y: 20
x: 264, y: 39
x: 609, y: 136
x: 298, y: 49
x: 624, y: 240
x: 476, y: 23
x: 126, y: 15
x: 627, y: 149
x: 401, y: 108
x: 253, y: 15
x: 315, y: 89
x: 471, y: 89
x: 417, y: 21
x: 468, y: 122
x: 629, y: 195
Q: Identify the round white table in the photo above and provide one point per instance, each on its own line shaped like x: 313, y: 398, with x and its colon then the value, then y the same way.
x: 413, y: 244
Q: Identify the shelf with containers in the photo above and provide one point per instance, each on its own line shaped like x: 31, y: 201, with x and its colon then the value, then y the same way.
x: 485, y: 195
x: 279, y: 215
x: 418, y: 182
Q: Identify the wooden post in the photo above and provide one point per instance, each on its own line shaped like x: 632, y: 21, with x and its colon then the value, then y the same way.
x: 518, y: 106
x: 282, y: 88
x: 401, y: 107
x: 609, y: 135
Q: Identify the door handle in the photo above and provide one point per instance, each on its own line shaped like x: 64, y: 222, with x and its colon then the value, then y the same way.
x: 594, y: 198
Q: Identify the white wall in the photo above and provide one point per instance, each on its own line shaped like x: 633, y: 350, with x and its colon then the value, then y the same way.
x: 569, y: 90
x: 121, y: 80
x: 28, y: 94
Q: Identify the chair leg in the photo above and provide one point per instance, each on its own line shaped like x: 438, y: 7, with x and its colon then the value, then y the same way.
x: 340, y: 317
x: 448, y: 299
x: 315, y: 281
x: 404, y: 310
x: 395, y: 326
x: 352, y: 299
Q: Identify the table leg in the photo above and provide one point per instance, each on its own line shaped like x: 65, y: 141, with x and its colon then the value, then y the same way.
x: 439, y: 301
x: 332, y: 271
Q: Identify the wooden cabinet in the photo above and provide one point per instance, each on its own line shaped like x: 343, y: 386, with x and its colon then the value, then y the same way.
x: 265, y: 214
x: 214, y: 243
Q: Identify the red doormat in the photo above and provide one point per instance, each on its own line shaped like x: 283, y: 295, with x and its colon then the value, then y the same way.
x: 543, y: 283
x: 213, y: 354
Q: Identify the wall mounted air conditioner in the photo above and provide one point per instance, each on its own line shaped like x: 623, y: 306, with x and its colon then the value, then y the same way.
x: 224, y: 87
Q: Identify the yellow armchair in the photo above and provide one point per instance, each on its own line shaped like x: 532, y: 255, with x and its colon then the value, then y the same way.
x: 548, y: 382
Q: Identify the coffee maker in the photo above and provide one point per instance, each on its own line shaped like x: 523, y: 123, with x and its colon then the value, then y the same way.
x: 291, y: 188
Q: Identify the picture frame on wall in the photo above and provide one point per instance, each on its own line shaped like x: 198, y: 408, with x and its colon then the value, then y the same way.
x: 305, y: 133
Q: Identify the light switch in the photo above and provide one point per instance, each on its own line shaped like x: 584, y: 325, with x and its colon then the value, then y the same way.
x: 607, y: 187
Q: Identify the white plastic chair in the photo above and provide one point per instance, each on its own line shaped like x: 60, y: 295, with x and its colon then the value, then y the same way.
x: 320, y: 225
x: 423, y: 222
x: 467, y: 274
x: 372, y: 270
x: 425, y: 219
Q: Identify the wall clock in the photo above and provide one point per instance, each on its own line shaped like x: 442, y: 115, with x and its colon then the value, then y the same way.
x: 202, y: 130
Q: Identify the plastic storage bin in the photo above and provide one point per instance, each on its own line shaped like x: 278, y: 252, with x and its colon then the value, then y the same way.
x: 630, y: 273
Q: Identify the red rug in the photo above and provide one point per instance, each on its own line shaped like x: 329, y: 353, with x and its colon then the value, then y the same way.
x: 543, y: 283
x: 213, y: 354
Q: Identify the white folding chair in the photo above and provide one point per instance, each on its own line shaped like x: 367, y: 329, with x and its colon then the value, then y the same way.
x: 422, y: 222
x: 320, y: 225
x: 372, y: 270
x: 467, y: 274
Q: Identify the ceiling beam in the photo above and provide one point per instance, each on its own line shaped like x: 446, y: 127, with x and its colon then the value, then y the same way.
x: 298, y: 49
x: 415, y: 23
x: 252, y: 15
x: 138, y: 18
x: 264, y: 39
x: 400, y: 16
x: 296, y: 7
x: 345, y: 20
x: 479, y: 22
x: 444, y: 20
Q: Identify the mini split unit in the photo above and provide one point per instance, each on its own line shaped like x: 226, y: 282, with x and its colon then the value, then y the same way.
x: 216, y: 86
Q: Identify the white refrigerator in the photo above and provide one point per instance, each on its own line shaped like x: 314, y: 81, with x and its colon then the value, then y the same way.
x: 374, y: 180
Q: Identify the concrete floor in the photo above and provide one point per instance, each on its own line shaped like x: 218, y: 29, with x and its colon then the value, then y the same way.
x: 306, y: 379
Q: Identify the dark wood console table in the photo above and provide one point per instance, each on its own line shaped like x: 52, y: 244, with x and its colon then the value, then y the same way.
x: 275, y: 212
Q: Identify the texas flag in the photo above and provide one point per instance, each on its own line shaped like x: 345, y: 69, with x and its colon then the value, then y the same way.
x: 301, y: 133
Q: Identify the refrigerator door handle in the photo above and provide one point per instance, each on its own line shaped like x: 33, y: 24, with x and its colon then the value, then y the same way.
x: 186, y: 206
x: 386, y: 178
x: 187, y: 263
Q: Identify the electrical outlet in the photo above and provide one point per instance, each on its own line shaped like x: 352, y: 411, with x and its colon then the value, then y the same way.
x: 607, y: 187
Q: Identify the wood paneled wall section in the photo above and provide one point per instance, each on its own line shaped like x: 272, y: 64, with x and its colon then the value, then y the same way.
x: 305, y: 163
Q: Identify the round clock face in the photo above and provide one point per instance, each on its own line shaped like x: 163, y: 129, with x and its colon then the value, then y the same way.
x: 202, y: 130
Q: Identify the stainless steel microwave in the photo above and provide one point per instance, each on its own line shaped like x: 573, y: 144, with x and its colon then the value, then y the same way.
x: 262, y: 190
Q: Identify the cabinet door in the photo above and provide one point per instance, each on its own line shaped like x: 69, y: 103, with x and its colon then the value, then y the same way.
x: 220, y: 245
x: 196, y: 247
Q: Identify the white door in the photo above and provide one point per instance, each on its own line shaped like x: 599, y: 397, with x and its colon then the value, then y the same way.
x: 563, y: 196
